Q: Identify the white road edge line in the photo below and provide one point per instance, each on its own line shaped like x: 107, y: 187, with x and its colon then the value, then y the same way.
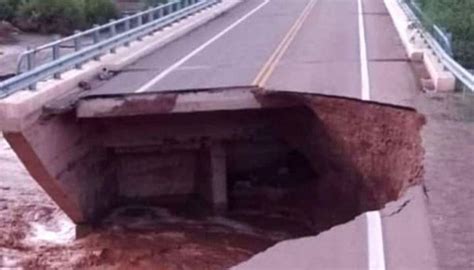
x: 375, y: 241
x: 170, y: 69
x: 376, y: 251
x: 363, y: 54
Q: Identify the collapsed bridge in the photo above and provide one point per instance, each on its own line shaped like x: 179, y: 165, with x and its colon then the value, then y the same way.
x: 259, y: 111
x: 319, y: 159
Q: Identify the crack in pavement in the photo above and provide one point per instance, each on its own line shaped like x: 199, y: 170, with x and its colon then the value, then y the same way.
x: 426, y: 191
x: 387, y: 60
x: 380, y: 13
x: 400, y: 209
x: 130, y: 70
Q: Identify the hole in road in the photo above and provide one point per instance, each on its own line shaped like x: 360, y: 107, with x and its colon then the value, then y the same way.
x: 216, y: 187
x: 288, y: 171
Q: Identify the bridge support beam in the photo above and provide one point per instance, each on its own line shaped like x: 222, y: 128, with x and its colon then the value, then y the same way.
x: 218, y: 177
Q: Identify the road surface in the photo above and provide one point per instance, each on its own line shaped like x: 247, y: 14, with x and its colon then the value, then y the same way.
x: 316, y: 44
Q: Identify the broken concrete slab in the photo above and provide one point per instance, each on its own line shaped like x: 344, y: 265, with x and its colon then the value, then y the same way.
x: 316, y: 252
x: 408, y: 244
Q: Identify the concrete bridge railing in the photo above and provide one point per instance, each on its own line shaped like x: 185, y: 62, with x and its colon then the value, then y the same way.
x: 71, y: 52
x: 438, y: 43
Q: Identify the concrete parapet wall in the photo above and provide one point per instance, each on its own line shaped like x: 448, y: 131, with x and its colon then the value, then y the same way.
x: 418, y: 50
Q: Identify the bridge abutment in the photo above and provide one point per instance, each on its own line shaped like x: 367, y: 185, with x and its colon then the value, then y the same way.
x: 64, y: 159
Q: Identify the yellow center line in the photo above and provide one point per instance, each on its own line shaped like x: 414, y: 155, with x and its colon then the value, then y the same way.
x: 275, y: 58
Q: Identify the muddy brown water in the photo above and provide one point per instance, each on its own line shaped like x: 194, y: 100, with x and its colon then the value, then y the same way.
x: 35, y: 234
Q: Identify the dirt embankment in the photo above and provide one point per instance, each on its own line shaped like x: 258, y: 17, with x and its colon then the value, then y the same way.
x: 363, y: 155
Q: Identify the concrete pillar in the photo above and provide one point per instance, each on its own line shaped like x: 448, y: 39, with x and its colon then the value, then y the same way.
x: 218, y: 177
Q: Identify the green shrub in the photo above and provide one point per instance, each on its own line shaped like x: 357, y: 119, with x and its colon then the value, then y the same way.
x: 48, y: 16
x: 62, y: 16
x: 457, y: 17
x: 154, y: 3
x: 99, y: 11
x: 7, y: 9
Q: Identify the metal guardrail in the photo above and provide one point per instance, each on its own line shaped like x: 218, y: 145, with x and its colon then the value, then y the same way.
x: 443, y: 38
x: 73, y: 51
x: 440, y: 49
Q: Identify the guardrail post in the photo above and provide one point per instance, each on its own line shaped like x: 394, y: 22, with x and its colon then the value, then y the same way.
x: 177, y: 7
x: 139, y: 23
x: 56, y: 55
x: 151, y: 17
x: 96, y: 39
x: 126, y: 26
x: 113, y: 33
x: 77, y: 46
x: 161, y: 12
x: 150, y: 14
x: 30, y: 59
x: 30, y: 64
